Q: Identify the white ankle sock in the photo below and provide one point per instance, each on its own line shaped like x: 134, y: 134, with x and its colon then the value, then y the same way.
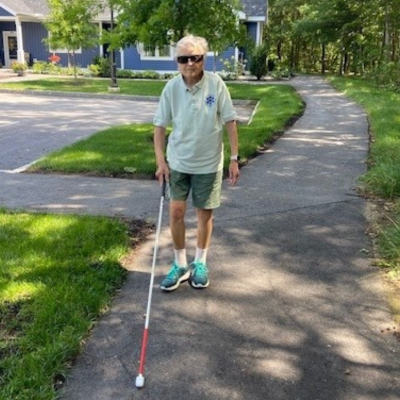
x: 180, y: 257
x: 201, y: 255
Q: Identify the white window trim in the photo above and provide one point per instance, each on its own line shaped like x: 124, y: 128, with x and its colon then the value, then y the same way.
x: 140, y: 50
x: 256, y: 19
x: 63, y: 51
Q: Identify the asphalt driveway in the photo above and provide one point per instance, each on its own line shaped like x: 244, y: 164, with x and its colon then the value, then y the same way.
x: 32, y: 126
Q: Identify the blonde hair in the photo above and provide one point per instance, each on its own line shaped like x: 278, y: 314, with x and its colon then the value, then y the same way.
x: 192, y: 42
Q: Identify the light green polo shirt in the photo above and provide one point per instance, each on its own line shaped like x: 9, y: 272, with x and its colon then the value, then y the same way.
x: 197, y: 115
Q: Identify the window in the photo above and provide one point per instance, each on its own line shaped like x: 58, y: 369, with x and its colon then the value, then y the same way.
x: 63, y: 51
x: 147, y: 51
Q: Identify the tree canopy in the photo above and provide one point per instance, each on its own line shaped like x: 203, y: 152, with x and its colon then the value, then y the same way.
x: 70, y: 24
x: 357, y: 36
x: 162, y: 22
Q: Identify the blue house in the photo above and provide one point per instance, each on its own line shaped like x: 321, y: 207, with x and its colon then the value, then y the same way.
x: 22, y: 32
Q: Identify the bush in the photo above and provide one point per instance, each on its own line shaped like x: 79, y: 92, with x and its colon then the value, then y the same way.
x: 101, y: 67
x: 258, y: 62
x: 150, y: 75
x: 43, y: 67
x: 94, y: 70
x: 281, y: 72
x: 39, y: 67
x: 232, y: 68
x: 18, y: 66
x: 386, y: 75
x: 124, y: 73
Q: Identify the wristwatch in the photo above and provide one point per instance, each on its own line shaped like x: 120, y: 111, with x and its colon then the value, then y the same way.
x: 235, y: 158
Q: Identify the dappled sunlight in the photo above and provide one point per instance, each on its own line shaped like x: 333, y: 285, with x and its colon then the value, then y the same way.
x: 15, y: 291
x: 278, y: 363
x: 352, y: 347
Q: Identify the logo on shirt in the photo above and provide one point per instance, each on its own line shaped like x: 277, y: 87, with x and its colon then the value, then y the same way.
x: 210, y: 100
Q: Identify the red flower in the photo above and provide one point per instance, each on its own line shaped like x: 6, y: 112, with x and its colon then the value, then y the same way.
x: 54, y: 58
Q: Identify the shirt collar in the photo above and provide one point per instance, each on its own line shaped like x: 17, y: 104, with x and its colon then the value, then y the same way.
x: 197, y: 86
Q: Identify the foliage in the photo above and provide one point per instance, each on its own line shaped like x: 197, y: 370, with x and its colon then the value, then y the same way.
x: 258, y: 62
x: 280, y: 72
x: 101, y: 67
x: 164, y: 22
x: 43, y: 67
x: 343, y: 37
x: 124, y: 73
x: 71, y: 27
x: 17, y: 66
x: 232, y: 68
x: 49, y: 68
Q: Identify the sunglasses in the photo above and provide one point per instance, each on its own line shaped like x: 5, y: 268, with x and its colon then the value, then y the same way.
x: 193, y: 59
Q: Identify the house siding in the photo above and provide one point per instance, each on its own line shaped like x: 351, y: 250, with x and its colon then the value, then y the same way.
x: 34, y: 35
x: 134, y: 62
x: 252, y: 30
x: 4, y: 13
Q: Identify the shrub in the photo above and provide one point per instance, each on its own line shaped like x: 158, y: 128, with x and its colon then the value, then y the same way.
x: 101, y: 67
x: 150, y: 75
x: 39, y: 67
x: 43, y: 67
x: 94, y: 70
x: 281, y: 72
x: 232, y: 68
x: 124, y: 73
x: 17, y: 66
x: 258, y: 62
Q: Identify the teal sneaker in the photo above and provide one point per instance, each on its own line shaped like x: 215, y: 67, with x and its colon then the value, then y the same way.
x: 199, y: 278
x: 175, y: 276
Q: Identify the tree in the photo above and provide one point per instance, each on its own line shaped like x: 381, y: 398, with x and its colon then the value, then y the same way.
x: 157, y: 23
x: 70, y: 25
x: 258, y: 62
x: 346, y: 36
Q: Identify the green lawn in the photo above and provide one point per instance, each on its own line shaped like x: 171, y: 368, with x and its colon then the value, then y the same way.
x: 132, y: 87
x: 119, y: 149
x: 383, y: 177
x: 58, y: 273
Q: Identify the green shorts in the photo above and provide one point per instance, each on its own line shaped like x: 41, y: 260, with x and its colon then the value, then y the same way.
x: 206, y: 188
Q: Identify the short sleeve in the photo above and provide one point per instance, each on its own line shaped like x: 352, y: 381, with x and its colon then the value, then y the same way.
x: 163, y: 116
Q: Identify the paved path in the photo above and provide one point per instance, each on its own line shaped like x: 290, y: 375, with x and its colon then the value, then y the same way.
x: 31, y: 125
x: 294, y: 311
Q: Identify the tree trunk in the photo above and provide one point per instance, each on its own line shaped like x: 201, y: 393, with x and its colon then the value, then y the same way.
x: 74, y: 61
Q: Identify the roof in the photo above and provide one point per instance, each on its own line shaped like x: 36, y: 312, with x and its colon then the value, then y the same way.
x: 254, y: 8
x: 35, y: 8
x: 26, y: 7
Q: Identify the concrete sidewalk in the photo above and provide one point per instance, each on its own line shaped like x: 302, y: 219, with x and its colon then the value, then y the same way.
x: 295, y: 311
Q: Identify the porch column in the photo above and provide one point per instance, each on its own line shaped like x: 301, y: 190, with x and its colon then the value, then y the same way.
x: 258, y: 34
x: 20, y: 42
x: 101, y: 46
x: 122, y: 54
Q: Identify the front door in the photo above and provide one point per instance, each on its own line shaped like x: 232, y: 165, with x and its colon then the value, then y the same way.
x: 10, y: 48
